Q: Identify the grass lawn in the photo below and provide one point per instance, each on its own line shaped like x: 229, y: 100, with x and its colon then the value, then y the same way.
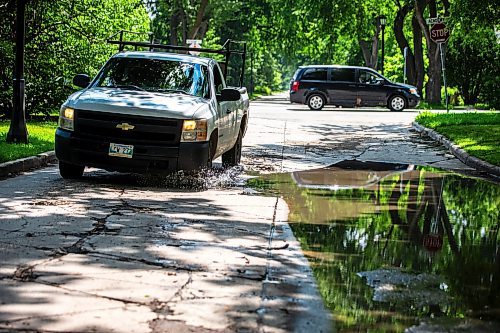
x: 41, y: 139
x: 476, y: 133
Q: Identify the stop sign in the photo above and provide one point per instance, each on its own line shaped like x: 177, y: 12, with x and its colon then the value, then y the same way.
x: 439, y: 33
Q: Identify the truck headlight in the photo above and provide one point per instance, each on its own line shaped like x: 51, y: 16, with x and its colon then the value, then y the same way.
x: 66, y: 119
x: 413, y: 91
x: 194, y: 130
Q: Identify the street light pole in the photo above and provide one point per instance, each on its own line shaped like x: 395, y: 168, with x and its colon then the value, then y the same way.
x: 18, y: 133
x: 383, y: 23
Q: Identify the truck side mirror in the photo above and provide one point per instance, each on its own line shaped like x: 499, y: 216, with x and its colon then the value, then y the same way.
x: 81, y: 80
x: 230, y: 95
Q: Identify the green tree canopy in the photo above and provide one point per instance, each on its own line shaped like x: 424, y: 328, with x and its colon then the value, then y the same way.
x: 63, y: 38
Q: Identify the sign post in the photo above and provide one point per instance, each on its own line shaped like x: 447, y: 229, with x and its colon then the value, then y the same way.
x: 443, y: 67
x: 440, y: 34
x: 405, y: 64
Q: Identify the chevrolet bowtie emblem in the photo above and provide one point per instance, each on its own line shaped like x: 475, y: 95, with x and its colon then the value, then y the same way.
x: 125, y: 126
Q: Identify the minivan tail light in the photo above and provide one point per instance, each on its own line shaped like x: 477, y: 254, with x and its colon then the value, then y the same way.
x: 295, y: 86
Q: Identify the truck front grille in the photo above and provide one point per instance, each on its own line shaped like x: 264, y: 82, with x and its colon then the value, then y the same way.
x: 146, y: 130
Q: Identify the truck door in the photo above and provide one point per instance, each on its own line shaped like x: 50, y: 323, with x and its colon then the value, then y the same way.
x: 224, y: 109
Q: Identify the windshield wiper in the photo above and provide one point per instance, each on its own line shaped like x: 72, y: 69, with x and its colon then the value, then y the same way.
x: 130, y: 86
x: 173, y: 91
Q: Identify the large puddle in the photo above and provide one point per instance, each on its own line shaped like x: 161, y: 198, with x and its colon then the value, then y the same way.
x: 398, y: 247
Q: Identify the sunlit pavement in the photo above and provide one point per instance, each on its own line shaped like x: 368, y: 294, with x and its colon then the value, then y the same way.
x: 290, y: 137
x: 121, y: 253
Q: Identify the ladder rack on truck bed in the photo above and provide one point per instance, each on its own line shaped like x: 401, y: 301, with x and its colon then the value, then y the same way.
x: 226, y: 49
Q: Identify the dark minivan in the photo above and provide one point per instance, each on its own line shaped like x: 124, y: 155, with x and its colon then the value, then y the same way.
x: 349, y: 86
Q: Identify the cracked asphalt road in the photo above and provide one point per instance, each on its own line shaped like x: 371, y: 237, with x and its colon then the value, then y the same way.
x: 123, y: 253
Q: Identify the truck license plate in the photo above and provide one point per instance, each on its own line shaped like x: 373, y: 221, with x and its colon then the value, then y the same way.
x: 119, y: 150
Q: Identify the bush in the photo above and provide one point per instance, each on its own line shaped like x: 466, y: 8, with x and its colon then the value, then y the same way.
x: 263, y: 90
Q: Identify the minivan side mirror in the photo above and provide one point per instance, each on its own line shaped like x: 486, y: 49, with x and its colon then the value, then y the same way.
x: 229, y: 95
x: 81, y: 80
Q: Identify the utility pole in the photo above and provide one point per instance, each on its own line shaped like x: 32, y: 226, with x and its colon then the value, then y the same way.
x: 18, y: 133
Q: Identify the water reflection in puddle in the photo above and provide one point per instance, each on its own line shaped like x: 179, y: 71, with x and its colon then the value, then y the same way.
x: 397, y: 247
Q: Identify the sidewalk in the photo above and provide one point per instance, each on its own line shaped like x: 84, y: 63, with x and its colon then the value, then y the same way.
x: 461, y: 154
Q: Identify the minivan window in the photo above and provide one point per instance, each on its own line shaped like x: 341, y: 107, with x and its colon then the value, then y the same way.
x: 343, y: 74
x: 368, y: 77
x: 315, y: 74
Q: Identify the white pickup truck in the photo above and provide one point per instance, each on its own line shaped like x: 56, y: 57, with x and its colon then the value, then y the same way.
x: 151, y: 112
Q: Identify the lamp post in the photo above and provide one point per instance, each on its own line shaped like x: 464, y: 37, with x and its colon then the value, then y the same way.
x: 383, y: 22
x: 18, y: 132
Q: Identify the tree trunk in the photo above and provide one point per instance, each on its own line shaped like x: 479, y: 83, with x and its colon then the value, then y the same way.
x: 419, y: 56
x: 184, y: 25
x: 433, y: 87
x: 174, y: 22
x: 367, y: 55
x: 371, y: 56
x: 403, y: 42
x: 197, y: 31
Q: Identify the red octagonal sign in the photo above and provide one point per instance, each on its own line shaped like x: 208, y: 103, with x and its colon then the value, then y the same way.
x: 440, y: 33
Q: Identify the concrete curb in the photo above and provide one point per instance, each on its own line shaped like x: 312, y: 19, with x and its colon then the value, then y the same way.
x: 26, y: 164
x: 313, y: 315
x: 461, y: 154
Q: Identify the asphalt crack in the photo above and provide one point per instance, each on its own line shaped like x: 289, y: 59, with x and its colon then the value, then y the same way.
x: 187, y: 268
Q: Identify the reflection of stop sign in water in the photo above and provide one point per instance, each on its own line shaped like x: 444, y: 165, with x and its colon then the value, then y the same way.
x: 433, y: 243
x: 439, y: 33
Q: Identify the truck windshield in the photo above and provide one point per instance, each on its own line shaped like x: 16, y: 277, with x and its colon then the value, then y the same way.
x: 167, y: 76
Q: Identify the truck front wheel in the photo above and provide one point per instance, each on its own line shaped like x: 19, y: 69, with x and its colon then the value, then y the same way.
x: 70, y: 171
x: 212, y: 147
x: 233, y: 156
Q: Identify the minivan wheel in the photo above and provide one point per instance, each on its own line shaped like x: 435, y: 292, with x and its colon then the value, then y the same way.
x: 70, y: 171
x: 397, y: 103
x: 316, y: 102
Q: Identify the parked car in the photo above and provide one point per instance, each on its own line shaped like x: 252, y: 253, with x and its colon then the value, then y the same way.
x: 152, y: 112
x: 349, y: 86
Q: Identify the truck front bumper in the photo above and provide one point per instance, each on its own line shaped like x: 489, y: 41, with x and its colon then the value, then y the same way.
x: 147, y: 159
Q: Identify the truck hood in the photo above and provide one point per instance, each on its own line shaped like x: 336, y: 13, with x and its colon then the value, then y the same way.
x: 154, y: 104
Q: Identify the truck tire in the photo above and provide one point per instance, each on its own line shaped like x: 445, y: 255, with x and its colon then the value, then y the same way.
x: 233, y: 156
x: 212, y: 146
x: 70, y: 171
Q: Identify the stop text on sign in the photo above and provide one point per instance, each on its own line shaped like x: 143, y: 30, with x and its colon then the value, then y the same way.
x: 439, y: 33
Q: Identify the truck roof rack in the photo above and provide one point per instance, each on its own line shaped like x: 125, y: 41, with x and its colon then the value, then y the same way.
x: 226, y: 49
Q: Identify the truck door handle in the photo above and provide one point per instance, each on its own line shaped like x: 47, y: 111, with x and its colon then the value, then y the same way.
x: 351, y: 85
